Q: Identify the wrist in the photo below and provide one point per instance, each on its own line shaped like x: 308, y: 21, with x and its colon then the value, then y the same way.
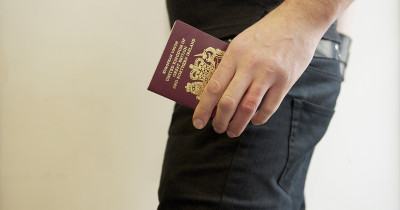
x: 319, y: 12
x: 316, y: 15
x: 292, y: 20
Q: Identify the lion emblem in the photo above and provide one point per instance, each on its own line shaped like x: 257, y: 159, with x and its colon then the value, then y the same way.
x: 202, y: 69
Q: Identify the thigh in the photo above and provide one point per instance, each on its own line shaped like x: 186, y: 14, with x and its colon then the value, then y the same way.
x: 265, y: 167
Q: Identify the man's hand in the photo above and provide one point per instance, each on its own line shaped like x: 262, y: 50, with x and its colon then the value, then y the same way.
x: 265, y: 59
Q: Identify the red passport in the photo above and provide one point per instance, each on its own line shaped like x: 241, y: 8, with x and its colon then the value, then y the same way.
x: 187, y: 64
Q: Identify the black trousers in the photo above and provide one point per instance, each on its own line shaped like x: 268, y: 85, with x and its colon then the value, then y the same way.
x: 265, y: 167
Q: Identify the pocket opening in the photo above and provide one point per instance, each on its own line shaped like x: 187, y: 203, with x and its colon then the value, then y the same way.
x: 309, y: 124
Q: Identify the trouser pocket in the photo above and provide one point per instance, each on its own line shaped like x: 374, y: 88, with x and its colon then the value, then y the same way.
x: 309, y: 123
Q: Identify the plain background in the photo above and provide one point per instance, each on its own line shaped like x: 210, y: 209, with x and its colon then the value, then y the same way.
x: 79, y: 130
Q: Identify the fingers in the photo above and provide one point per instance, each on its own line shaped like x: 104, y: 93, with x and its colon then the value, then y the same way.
x: 238, y: 88
x: 229, y: 101
x: 236, y: 107
x: 213, y: 91
x: 247, y: 108
x: 271, y: 103
x: 234, y: 112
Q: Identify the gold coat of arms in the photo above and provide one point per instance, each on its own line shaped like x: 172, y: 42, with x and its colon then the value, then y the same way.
x: 202, y: 69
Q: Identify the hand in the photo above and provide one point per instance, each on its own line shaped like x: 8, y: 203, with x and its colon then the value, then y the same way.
x: 265, y: 59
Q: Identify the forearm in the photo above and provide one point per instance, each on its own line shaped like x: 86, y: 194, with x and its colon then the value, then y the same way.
x: 322, y: 11
x: 314, y: 16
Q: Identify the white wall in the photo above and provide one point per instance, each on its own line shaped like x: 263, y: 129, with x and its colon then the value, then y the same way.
x: 357, y: 165
x: 78, y: 130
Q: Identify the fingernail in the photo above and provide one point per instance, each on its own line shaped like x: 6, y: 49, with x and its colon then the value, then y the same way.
x: 255, y: 122
x: 231, y: 134
x: 197, y: 123
x: 218, y: 131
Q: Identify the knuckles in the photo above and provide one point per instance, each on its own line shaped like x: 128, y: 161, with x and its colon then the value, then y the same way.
x: 277, y: 66
x: 258, y: 90
x: 248, y: 107
x: 214, y: 86
x: 227, y: 103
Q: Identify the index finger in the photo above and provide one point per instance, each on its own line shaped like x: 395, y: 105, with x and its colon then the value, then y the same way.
x: 213, y: 91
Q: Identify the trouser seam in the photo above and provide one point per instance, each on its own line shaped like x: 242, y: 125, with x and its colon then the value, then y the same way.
x: 228, y: 175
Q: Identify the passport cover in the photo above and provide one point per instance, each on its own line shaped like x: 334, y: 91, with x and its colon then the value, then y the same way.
x: 187, y: 64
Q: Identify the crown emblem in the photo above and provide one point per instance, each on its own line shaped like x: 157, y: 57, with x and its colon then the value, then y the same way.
x: 202, y: 69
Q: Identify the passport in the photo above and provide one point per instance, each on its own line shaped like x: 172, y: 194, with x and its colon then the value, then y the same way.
x: 186, y: 65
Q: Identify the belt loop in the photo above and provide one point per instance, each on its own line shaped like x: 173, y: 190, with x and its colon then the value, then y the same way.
x: 344, y: 52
